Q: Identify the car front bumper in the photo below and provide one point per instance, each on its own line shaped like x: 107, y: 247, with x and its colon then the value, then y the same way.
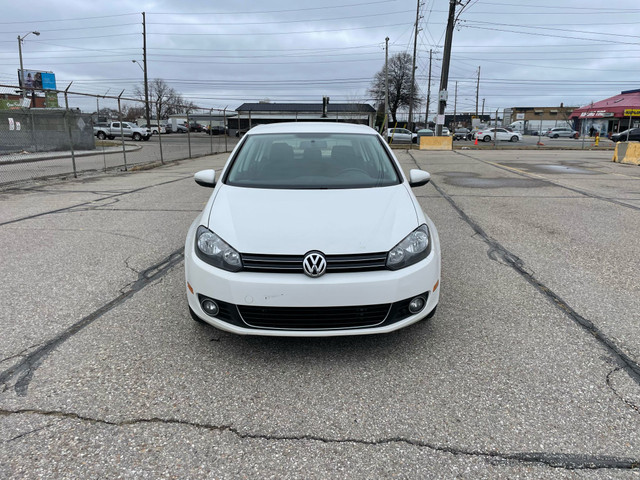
x: 326, y: 297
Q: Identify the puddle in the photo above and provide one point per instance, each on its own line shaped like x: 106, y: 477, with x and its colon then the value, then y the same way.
x: 546, y: 168
x: 472, y: 180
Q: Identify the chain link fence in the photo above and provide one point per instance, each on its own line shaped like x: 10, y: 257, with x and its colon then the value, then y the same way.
x: 74, y: 133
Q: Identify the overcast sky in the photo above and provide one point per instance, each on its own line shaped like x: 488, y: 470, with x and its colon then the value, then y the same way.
x: 221, y: 54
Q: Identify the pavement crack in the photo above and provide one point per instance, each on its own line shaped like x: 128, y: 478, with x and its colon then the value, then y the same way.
x: 617, y: 394
x: 22, y: 372
x: 91, y: 203
x: 555, y: 460
x: 546, y: 180
x: 629, y: 364
x: 17, y: 437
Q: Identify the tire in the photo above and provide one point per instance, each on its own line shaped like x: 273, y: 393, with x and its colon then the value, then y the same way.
x: 111, y: 137
x: 101, y: 135
x: 514, y: 138
x: 556, y: 136
x: 146, y: 138
x: 431, y: 313
x: 486, y: 139
x: 137, y: 137
x: 196, y: 318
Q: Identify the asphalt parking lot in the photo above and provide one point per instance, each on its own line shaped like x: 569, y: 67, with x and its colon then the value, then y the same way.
x: 529, y: 369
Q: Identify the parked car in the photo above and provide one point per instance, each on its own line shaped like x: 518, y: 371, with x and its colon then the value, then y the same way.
x: 445, y: 132
x: 196, y: 127
x: 124, y: 129
x: 181, y: 128
x: 400, y: 135
x: 425, y: 132
x: 501, y: 134
x: 216, y: 130
x: 462, y: 134
x: 157, y: 129
x: 562, y: 132
x: 312, y: 230
x: 627, y: 135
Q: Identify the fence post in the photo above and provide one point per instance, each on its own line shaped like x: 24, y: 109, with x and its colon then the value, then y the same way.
x: 34, y: 138
x: 189, y: 133
x: 68, y: 127
x: 210, y: 132
x: 224, y: 127
x: 159, y: 133
x: 124, y: 150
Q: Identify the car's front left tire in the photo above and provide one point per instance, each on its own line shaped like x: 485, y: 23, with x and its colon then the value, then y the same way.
x: 197, y: 318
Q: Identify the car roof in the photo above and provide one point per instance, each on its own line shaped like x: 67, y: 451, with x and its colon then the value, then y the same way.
x: 311, y: 127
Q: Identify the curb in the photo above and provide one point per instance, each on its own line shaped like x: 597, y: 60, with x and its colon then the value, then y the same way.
x: 67, y: 154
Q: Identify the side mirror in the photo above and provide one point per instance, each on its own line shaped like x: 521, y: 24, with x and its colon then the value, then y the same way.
x: 417, y: 178
x: 206, y: 178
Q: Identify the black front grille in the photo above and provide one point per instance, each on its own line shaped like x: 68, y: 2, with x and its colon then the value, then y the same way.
x: 364, y: 262
x: 314, y: 318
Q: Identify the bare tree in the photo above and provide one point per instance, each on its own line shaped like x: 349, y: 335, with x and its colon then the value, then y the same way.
x: 164, y: 99
x: 131, y: 113
x: 400, y: 66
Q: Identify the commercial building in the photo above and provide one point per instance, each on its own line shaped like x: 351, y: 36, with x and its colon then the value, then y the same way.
x: 534, y: 119
x: 611, y: 115
x: 252, y: 114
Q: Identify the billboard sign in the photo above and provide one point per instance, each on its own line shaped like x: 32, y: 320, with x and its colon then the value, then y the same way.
x: 37, y: 79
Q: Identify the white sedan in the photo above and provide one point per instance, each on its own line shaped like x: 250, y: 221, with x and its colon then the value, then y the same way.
x: 312, y: 230
x: 500, y: 134
x: 397, y: 135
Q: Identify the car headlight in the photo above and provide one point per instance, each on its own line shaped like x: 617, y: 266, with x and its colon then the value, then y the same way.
x: 212, y: 249
x: 412, y: 249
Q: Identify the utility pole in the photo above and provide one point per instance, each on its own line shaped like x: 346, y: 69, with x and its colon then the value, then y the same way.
x: 385, y: 122
x: 413, y: 68
x: 444, y: 77
x: 477, y: 90
x: 426, y: 115
x: 146, y: 80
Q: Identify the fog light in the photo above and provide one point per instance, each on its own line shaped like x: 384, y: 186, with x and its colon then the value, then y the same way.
x: 417, y: 304
x: 210, y: 307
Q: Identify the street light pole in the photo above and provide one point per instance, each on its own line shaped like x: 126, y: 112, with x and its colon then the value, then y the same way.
x: 146, y: 95
x: 146, y: 81
x: 21, y: 73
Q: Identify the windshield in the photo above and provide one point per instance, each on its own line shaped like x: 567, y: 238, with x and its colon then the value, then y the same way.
x: 312, y: 161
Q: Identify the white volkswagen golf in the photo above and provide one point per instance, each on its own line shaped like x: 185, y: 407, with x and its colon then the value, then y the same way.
x: 312, y: 230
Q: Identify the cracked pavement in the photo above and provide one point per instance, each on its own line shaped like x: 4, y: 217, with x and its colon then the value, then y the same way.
x: 528, y: 370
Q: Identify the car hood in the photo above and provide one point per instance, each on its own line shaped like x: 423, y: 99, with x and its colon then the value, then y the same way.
x: 274, y: 221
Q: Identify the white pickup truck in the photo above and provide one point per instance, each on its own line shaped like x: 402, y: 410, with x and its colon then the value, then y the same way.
x: 113, y: 130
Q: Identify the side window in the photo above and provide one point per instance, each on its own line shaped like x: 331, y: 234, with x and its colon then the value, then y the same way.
x: 116, y: 125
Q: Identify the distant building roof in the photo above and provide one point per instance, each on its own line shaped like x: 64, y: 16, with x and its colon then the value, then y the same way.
x: 610, y: 107
x: 306, y: 107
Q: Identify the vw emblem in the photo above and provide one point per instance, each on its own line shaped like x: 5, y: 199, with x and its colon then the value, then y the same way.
x: 314, y: 264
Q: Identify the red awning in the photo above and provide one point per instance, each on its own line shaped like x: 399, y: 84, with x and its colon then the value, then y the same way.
x: 610, y: 107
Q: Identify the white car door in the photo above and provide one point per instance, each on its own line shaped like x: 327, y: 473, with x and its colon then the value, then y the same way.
x: 502, y: 134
